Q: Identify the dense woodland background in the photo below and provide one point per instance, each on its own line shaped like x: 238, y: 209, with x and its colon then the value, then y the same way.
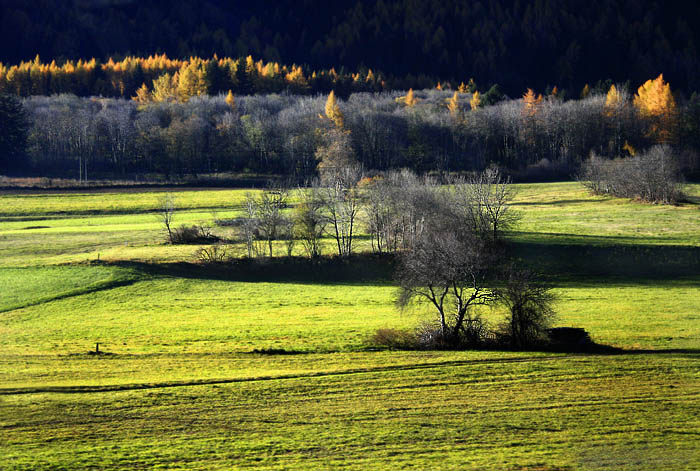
x: 244, y: 87
x: 534, y: 137
x: 516, y: 44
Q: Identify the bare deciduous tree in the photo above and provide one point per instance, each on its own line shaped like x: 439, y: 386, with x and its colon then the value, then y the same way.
x: 652, y: 176
x: 309, y: 220
x: 166, y: 211
x: 485, y: 201
x: 448, y: 265
x: 342, y: 203
x: 396, y: 205
x: 529, y: 303
x: 248, y: 225
x: 270, y: 218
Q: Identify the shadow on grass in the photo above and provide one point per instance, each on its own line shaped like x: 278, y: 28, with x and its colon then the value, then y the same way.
x: 627, y: 263
x: 584, y: 265
x: 77, y: 389
x: 583, y: 350
x: 361, y: 268
x: 563, y: 238
x: 552, y: 203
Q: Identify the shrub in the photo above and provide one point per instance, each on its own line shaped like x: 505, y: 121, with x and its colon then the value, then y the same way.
x: 474, y: 333
x: 651, y: 176
x: 394, y: 339
x: 217, y: 253
x: 194, y: 234
x: 529, y: 303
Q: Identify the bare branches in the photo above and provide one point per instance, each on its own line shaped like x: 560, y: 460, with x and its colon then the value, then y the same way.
x: 166, y: 211
x: 651, y: 176
x: 341, y: 201
x: 484, y: 201
x: 448, y: 261
x: 310, y: 220
x: 529, y: 304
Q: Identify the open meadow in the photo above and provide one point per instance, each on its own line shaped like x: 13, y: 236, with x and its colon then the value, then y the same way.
x: 214, y: 369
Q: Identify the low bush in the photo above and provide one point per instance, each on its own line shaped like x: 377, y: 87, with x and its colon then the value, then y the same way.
x: 194, y: 234
x: 652, y: 176
x: 474, y: 333
x: 218, y: 253
x: 394, y: 339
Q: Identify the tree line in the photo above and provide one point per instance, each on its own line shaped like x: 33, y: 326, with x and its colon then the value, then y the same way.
x: 533, y: 137
x: 563, y: 42
x: 160, y: 78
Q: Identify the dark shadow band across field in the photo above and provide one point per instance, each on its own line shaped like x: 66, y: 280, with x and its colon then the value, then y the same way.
x: 562, y: 238
x: 592, y: 262
x: 117, y: 280
x: 552, y: 203
x: 591, y: 265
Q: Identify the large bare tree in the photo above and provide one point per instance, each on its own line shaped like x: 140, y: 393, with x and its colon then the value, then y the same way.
x: 448, y: 265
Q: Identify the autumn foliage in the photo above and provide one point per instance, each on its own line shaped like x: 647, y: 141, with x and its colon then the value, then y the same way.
x: 656, y: 103
x: 143, y: 78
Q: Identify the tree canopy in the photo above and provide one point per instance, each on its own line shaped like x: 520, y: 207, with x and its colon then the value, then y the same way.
x: 566, y: 43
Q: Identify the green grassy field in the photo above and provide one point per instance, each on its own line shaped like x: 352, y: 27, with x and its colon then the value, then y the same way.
x: 205, y: 371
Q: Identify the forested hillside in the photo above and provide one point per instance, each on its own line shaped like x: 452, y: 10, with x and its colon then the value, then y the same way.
x: 516, y: 44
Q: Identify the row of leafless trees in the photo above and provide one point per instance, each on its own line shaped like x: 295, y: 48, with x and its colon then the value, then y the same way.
x: 652, y: 176
x: 392, y: 208
x: 282, y: 134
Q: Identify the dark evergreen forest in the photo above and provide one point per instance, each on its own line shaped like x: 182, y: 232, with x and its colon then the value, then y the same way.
x: 516, y: 44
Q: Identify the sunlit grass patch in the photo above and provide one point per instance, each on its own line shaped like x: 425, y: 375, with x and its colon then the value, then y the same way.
x: 21, y: 287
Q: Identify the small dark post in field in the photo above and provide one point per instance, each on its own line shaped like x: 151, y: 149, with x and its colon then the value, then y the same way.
x: 97, y: 348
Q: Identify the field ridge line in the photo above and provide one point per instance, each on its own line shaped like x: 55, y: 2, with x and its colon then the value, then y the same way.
x: 313, y: 374
x: 96, y: 287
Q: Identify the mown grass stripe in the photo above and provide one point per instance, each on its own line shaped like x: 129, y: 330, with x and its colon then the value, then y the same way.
x: 315, y: 374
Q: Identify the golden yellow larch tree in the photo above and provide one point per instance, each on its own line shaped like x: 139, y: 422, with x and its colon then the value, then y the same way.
x: 655, y: 102
x: 410, y: 99
x: 613, y: 100
x: 586, y: 91
x: 165, y: 88
x: 230, y: 100
x: 333, y: 111
x: 475, y: 102
x: 531, y: 103
x: 453, y: 104
x: 297, y: 80
x: 470, y: 87
x: 142, y: 96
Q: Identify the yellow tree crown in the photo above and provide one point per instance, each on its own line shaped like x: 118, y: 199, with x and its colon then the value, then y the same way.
x: 476, y: 100
x: 333, y: 111
x: 411, y: 100
x: 453, y: 104
x: 230, y: 100
x: 654, y: 100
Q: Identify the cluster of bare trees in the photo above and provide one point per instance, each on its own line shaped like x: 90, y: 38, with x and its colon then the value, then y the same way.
x: 447, y: 239
x: 652, y: 176
x: 455, y: 261
x: 391, y: 207
x: 329, y: 207
x: 283, y: 134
